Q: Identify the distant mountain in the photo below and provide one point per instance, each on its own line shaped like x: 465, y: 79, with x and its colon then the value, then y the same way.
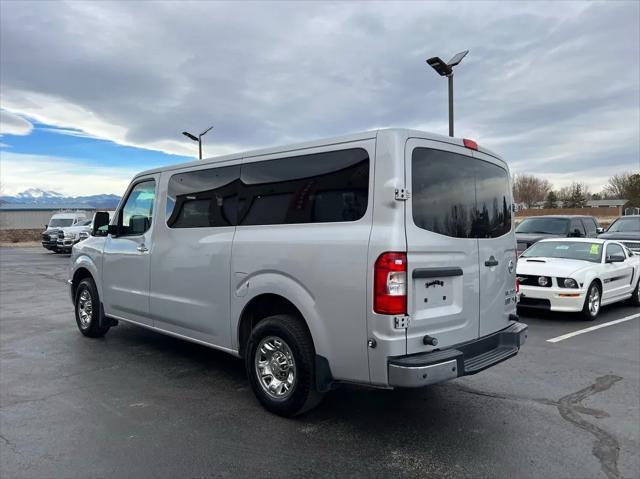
x: 36, y: 196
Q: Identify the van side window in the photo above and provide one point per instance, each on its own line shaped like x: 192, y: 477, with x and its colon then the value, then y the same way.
x: 459, y: 196
x: 318, y: 188
x: 203, y: 198
x: 136, y: 214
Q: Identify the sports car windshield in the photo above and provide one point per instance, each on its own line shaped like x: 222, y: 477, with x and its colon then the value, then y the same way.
x: 567, y: 250
x: 625, y: 225
x: 551, y: 226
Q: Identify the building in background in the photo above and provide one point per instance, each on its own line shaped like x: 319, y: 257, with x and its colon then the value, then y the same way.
x: 26, y: 222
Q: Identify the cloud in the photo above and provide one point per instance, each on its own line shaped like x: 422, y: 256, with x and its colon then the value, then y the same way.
x: 553, y: 87
x: 12, y: 124
x: 70, y: 177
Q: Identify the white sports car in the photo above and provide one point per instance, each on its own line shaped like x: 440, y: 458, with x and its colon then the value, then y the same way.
x: 578, y: 274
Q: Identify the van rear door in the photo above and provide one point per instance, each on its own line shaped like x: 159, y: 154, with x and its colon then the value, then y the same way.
x: 496, y: 244
x: 442, y: 254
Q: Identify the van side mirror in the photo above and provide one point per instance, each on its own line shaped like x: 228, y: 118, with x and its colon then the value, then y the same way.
x: 599, y: 230
x: 100, y: 219
x: 615, y: 259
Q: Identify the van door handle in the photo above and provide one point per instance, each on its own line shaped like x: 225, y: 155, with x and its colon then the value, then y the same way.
x: 491, y: 262
x: 142, y: 248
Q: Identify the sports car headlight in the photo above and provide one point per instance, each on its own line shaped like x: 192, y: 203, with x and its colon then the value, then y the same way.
x: 543, y: 281
x: 567, y: 283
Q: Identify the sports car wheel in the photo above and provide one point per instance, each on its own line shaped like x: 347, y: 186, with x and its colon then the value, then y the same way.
x: 592, y: 302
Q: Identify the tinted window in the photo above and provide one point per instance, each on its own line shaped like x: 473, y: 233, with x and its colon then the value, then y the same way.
x: 202, y: 198
x: 625, y: 225
x: 614, y: 250
x: 576, y: 224
x: 590, y: 226
x: 459, y: 196
x: 552, y: 226
x: 135, y: 217
x: 565, y: 249
x: 323, y: 187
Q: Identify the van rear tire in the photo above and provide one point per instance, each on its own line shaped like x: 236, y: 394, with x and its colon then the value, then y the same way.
x: 280, y: 364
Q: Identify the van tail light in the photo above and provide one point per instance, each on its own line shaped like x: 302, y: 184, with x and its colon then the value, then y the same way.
x: 517, y: 285
x: 390, y: 284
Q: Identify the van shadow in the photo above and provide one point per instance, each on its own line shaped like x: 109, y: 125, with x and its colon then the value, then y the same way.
x: 359, y: 411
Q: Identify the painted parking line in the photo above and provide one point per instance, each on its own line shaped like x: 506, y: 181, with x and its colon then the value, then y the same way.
x: 592, y: 328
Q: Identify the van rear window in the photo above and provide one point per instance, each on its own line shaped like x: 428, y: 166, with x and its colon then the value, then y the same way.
x: 459, y: 196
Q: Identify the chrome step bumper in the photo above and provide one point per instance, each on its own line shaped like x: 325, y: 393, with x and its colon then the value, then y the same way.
x: 422, y: 369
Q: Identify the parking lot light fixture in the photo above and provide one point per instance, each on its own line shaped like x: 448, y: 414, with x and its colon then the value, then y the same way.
x: 445, y: 69
x: 198, y: 139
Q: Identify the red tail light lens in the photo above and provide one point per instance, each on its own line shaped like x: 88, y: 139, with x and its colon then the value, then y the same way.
x: 517, y: 285
x: 390, y: 284
x: 472, y: 145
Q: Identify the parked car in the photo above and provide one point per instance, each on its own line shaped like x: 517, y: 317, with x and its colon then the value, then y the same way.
x: 363, y: 259
x: 535, y: 228
x: 74, y: 234
x: 578, y: 275
x: 625, y: 229
x: 54, y: 229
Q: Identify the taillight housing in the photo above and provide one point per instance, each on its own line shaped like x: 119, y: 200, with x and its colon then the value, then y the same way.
x: 390, y: 284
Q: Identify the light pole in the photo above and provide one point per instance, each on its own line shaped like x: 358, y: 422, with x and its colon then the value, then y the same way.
x: 446, y: 70
x: 198, y: 139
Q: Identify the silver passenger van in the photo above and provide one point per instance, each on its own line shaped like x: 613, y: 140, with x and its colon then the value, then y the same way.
x: 384, y: 258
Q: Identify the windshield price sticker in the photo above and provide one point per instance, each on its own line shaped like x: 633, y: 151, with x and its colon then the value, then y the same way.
x: 595, y: 249
x: 562, y: 246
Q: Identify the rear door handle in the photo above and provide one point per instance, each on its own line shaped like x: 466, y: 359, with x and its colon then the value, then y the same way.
x: 142, y: 248
x: 491, y: 262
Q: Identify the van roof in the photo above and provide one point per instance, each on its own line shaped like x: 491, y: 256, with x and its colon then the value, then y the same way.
x: 401, y: 133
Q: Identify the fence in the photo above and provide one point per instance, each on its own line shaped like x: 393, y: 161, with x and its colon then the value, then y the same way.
x: 597, y: 212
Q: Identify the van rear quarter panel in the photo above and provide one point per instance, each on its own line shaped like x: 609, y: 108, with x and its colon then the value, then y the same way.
x: 320, y: 267
x: 387, y: 234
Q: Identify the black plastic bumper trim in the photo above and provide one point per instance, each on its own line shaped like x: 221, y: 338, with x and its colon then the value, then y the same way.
x: 475, y: 355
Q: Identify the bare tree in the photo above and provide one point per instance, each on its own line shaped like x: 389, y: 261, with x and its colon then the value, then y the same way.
x: 529, y: 189
x: 624, y: 186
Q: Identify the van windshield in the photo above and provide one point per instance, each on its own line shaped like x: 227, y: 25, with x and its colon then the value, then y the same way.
x: 549, y: 226
x: 459, y: 196
x: 60, y: 222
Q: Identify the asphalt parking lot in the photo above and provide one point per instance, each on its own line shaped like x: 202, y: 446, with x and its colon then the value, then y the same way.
x: 138, y: 404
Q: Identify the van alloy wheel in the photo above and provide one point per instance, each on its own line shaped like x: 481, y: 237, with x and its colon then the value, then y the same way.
x: 275, y: 367
x: 85, y: 308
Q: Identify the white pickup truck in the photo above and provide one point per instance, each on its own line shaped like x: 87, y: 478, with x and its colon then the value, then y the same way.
x: 56, y: 226
x: 74, y: 234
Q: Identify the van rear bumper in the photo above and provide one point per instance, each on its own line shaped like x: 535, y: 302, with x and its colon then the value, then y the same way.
x: 422, y: 369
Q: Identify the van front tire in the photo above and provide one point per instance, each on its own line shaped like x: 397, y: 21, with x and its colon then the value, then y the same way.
x: 87, y: 308
x: 280, y: 363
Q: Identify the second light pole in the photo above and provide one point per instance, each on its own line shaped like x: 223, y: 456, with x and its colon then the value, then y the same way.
x: 446, y: 70
x: 198, y: 139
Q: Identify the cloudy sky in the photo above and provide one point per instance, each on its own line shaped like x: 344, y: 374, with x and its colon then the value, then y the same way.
x: 92, y: 92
